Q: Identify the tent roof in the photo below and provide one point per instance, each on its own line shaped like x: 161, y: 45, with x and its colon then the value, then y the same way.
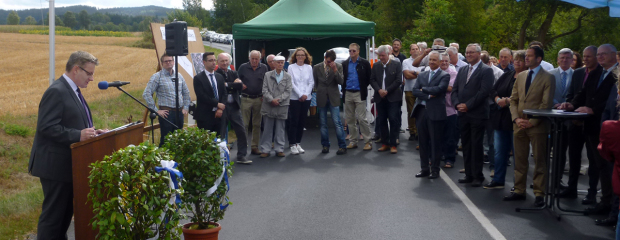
x: 303, y: 19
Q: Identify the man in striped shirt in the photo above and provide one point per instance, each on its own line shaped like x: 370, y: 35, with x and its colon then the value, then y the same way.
x: 162, y: 83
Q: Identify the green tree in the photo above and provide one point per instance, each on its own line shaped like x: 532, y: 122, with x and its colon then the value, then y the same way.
x: 13, y: 18
x: 181, y: 15
x: 69, y: 19
x: 30, y: 21
x: 83, y: 19
x: 194, y: 8
x: 436, y: 20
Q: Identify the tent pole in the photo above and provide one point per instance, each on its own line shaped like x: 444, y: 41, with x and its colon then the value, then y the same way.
x: 52, y: 33
x: 373, y: 47
x: 233, y: 53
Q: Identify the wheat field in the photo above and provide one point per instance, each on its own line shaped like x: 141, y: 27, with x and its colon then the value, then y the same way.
x: 24, y: 67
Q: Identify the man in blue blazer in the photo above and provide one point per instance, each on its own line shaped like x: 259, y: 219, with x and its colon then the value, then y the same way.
x: 430, y: 113
x: 64, y: 118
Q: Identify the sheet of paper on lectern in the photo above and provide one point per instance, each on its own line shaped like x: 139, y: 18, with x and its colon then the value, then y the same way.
x: 163, y: 32
x: 186, y: 65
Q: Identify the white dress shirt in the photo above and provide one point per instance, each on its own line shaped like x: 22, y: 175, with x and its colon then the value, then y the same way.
x: 408, y: 65
x: 303, y: 81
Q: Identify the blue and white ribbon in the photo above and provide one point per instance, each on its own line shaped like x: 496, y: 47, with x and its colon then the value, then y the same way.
x: 175, y: 176
x: 225, y: 159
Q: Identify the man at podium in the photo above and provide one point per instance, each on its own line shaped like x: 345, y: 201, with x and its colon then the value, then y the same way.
x: 64, y: 118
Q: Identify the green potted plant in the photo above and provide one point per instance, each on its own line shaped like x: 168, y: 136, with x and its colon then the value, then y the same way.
x: 205, y: 170
x: 131, y: 199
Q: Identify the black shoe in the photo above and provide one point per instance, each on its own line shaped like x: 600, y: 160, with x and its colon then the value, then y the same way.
x: 588, y: 200
x: 477, y: 182
x: 539, y: 202
x: 485, y: 159
x: 423, y: 174
x: 572, y: 194
x: 341, y: 151
x: 515, y: 197
x: 411, y: 137
x: 466, y: 180
x: 325, y: 149
x: 433, y: 175
x: 243, y: 160
x: 598, y: 209
x: 493, y: 185
x: 375, y: 137
x: 606, y: 222
x: 509, y: 163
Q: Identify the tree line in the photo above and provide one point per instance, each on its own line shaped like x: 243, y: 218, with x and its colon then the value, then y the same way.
x: 96, y: 21
x: 492, y: 23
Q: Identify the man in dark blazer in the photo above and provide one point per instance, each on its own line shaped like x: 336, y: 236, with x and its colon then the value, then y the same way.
x: 576, y: 137
x: 592, y: 100
x: 430, y: 112
x: 356, y: 86
x: 64, y: 118
x: 327, y: 75
x: 469, y: 94
x: 232, y: 113
x: 386, y: 77
x: 211, y: 102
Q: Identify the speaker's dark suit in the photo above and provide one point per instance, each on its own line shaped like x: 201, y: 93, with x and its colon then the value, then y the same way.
x: 60, y: 121
x: 472, y: 124
x: 389, y: 106
x: 206, y: 103
x: 595, y: 97
x: 430, y: 114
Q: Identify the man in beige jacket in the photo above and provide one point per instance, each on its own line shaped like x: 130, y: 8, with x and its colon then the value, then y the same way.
x: 533, y: 89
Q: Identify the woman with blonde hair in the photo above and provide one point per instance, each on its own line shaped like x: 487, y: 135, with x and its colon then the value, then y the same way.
x: 300, y: 69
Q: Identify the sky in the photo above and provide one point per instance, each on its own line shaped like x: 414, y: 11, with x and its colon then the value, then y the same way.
x: 26, y: 4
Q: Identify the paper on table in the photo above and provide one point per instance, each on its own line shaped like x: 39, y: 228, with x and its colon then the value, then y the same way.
x: 163, y: 32
x: 191, y: 36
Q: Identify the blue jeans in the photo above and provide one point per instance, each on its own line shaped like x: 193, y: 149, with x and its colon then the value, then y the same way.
x: 451, y: 138
x: 337, y: 123
x: 503, y: 145
x: 176, y: 117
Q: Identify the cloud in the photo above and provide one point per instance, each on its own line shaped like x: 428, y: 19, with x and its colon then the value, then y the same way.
x: 26, y: 4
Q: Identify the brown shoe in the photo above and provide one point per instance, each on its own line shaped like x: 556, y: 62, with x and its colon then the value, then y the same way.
x: 280, y: 154
x: 393, y: 150
x: 264, y: 155
x: 384, y: 148
x: 351, y: 146
x: 255, y: 151
x: 417, y: 147
x: 368, y: 147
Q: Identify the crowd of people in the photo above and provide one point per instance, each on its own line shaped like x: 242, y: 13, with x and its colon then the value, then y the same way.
x: 475, y: 99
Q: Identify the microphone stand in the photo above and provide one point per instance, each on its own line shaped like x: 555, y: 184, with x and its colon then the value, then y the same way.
x: 152, y: 115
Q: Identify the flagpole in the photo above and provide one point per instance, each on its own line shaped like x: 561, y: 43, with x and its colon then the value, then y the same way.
x: 52, y: 33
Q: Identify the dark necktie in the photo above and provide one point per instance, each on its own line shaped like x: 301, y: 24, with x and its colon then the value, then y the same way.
x: 601, y: 79
x: 214, y: 86
x: 85, y: 105
x: 528, y: 81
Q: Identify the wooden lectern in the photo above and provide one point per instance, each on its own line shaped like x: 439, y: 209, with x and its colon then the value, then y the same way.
x: 87, y: 152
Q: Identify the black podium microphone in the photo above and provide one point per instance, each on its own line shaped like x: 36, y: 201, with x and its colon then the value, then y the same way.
x: 105, y: 85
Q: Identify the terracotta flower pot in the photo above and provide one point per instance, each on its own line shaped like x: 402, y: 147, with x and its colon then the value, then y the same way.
x: 198, y: 234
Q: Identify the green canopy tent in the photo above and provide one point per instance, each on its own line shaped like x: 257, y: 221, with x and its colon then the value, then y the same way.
x: 317, y: 25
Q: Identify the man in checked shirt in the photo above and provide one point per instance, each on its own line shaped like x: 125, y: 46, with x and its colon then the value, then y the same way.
x: 161, y: 83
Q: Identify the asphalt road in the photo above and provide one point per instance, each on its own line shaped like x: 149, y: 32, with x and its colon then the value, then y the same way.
x: 221, y: 46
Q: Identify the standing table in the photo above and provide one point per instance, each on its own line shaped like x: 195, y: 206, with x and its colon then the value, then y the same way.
x: 555, y: 171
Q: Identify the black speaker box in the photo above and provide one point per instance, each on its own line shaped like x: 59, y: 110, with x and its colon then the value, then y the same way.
x: 176, y: 39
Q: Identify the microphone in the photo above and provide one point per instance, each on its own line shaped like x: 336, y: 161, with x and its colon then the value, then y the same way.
x: 105, y: 85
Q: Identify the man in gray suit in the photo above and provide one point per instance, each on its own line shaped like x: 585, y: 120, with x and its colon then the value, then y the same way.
x: 430, y: 112
x: 563, y: 76
x: 470, y: 95
x: 386, y: 78
x: 64, y: 118
x: 327, y: 75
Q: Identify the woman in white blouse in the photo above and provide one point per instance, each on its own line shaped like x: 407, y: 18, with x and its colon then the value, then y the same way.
x: 300, y: 70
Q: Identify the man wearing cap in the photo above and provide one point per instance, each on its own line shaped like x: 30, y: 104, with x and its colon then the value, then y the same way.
x: 277, y: 86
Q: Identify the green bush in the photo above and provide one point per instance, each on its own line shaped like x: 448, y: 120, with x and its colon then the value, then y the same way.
x: 198, y: 156
x: 17, y: 130
x: 130, y: 199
